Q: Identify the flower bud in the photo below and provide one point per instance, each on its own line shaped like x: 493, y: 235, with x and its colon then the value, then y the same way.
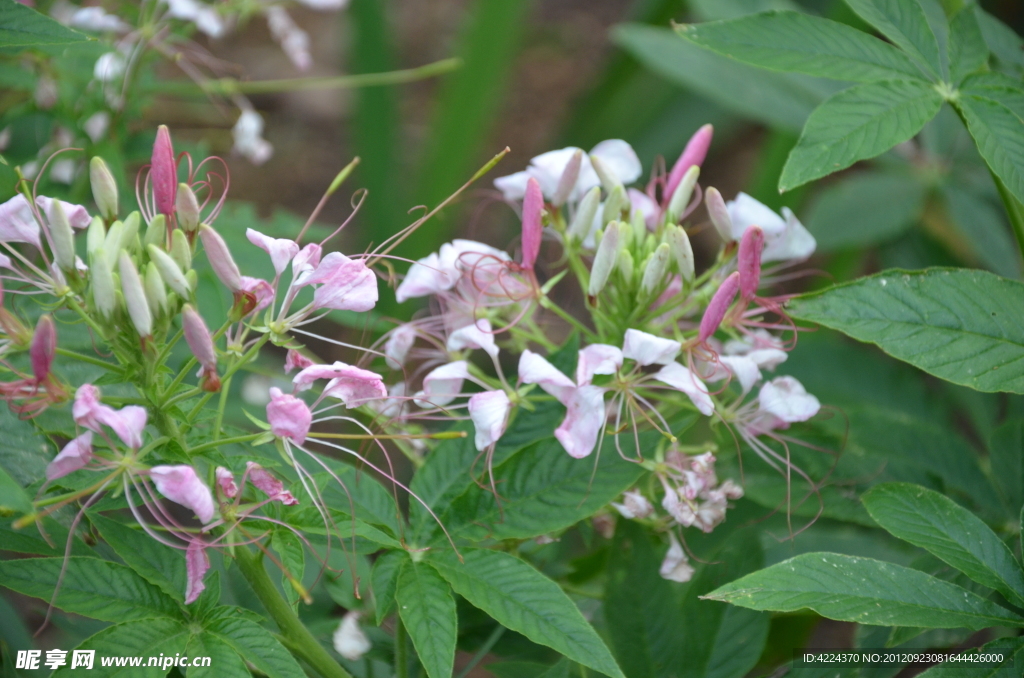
x: 639, y: 229
x: 748, y: 261
x: 104, y: 294
x: 104, y: 188
x: 567, y: 182
x: 605, y: 259
x: 164, y: 172
x: 112, y: 243
x: 156, y: 293
x: 198, y: 338
x: 692, y: 156
x: 533, y: 208
x: 170, y: 272
x: 719, y: 213
x: 681, y: 197
x: 44, y: 347
x: 181, y: 251
x: 95, y: 236
x: 720, y: 302
x: 615, y: 205
x: 655, y: 270
x: 156, y: 232
x: 219, y: 256
x: 188, y: 208
x: 609, y: 180
x: 135, y: 296
x: 583, y: 220
x: 62, y: 236
x: 130, y: 234
x: 682, y: 252
x: 626, y: 265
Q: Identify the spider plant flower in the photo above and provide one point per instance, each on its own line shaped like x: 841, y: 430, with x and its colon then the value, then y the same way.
x: 634, y: 506
x: 196, y: 565
x: 295, y: 360
x: 617, y: 157
x: 693, y: 494
x: 676, y: 566
x: 73, y: 457
x: 786, y: 239
x: 399, y: 342
x: 198, y: 338
x: 265, y: 481
x: 182, y: 485
x: 128, y: 422
x: 226, y: 482
x: 349, y: 640
x: 248, y: 136
x: 352, y: 385
x: 489, y: 411
x: 289, y: 416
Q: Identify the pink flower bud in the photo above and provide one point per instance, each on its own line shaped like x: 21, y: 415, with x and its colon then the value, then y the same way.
x: 181, y: 485
x: 256, y: 295
x: 271, y: 486
x: 289, y: 416
x: 196, y: 565
x: 293, y: 359
x: 73, y: 457
x: 694, y: 153
x: 533, y: 206
x: 226, y: 482
x: 44, y: 347
x: 187, y: 208
x: 749, y: 261
x: 220, y: 259
x: 198, y: 338
x: 720, y: 303
x: 164, y: 172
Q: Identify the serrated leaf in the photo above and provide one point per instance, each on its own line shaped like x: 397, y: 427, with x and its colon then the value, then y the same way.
x: 91, y: 587
x: 256, y: 645
x: 293, y: 557
x: 158, y: 564
x: 967, y: 49
x: 904, y: 22
x: 356, y: 492
x: 384, y: 578
x: 224, y: 661
x: 1008, y: 668
x: 866, y: 591
x: 523, y: 600
x: 21, y: 26
x: 997, y: 130
x: 957, y: 324
x: 143, y: 638
x: 857, y: 124
x: 427, y: 609
x: 1006, y: 453
x: 949, y: 532
x: 983, y: 226
x: 13, y: 498
x: 801, y: 43
x: 1002, y: 40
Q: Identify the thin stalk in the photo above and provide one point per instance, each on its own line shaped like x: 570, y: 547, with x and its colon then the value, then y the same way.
x: 88, y: 359
x: 225, y: 441
x: 224, y: 390
x: 401, y: 651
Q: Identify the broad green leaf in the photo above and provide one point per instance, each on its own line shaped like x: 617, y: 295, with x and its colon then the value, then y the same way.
x: 959, y: 325
x: 23, y: 453
x: 967, y: 49
x: 1013, y: 658
x: 998, y: 88
x: 984, y: 227
x: 29, y: 540
x: 800, y: 43
x: 358, y: 493
x: 21, y: 26
x: 139, y: 639
x: 775, y: 99
x: 158, y: 564
x: 949, y: 532
x: 856, y: 124
x: 865, y: 209
x: 523, y: 600
x: 716, y: 10
x: 91, y: 587
x: 904, y: 22
x: 866, y: 591
x: 256, y: 645
x: 427, y: 609
x: 1006, y: 453
x: 998, y: 129
x: 384, y: 578
x: 1002, y: 40
x: 224, y: 661
x: 293, y: 557
x: 541, y: 490
x: 13, y: 498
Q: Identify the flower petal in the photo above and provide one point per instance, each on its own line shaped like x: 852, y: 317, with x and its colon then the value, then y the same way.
x: 181, y: 485
x: 281, y: 250
x: 597, y: 359
x: 535, y: 369
x: 647, y: 349
x: 489, y: 412
x: 584, y: 420
x: 685, y: 381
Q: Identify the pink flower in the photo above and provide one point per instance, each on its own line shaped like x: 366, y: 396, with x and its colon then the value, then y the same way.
x: 785, y: 399
x: 258, y: 293
x: 44, y: 347
x: 128, y: 422
x: 443, y: 384
x: 181, y: 485
x: 271, y: 486
x: 718, y: 306
x: 533, y: 206
x: 584, y: 419
x: 164, y: 172
x: 289, y: 416
x: 647, y: 349
x: 196, y: 565
x: 535, y: 369
x: 682, y: 379
x: 476, y: 335
x: 694, y: 153
x: 489, y: 412
x: 17, y: 224
x: 75, y: 455
x: 634, y: 505
x: 676, y: 566
x: 76, y: 215
x: 305, y: 262
x: 293, y: 359
x: 281, y: 250
x: 440, y: 271
x: 226, y: 481
x: 352, y: 385
x: 396, y: 348
x: 345, y: 284
x: 597, y: 359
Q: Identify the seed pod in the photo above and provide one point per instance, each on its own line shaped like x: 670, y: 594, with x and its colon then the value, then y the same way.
x: 655, y: 270
x: 103, y: 290
x: 63, y: 237
x: 135, y: 295
x: 583, y: 220
x: 719, y: 213
x: 682, y: 252
x: 181, y: 251
x: 188, y: 208
x: 567, y: 182
x: 104, y: 188
x: 156, y: 292
x: 95, y: 236
x: 219, y: 256
x: 681, y: 197
x: 156, y: 232
x: 170, y: 272
x: 605, y: 259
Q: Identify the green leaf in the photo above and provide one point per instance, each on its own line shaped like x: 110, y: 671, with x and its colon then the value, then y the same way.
x: 1006, y: 452
x: 158, y: 564
x: 967, y: 49
x: 904, y: 22
x: 357, y: 493
x: 994, y: 120
x: 1002, y: 40
x: 983, y: 226
x: 957, y: 324
x: 523, y: 600
x: 856, y: 124
x: 800, y: 43
x: 137, y: 639
x: 865, y: 209
x: 13, y: 498
x: 865, y: 591
x: 256, y: 645
x: 91, y: 587
x: 427, y: 609
x: 21, y: 26
x: 224, y: 661
x: 1013, y: 658
x: 293, y: 557
x: 384, y: 578
x: 776, y: 99
x: 949, y: 532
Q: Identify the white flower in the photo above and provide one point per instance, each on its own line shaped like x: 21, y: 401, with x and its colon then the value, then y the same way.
x: 648, y: 349
x: 477, y: 334
x: 634, y: 505
x: 109, y: 67
x: 97, y: 124
x: 249, y: 141
x: 786, y: 399
x: 616, y: 155
x: 206, y: 18
x: 785, y: 237
x: 293, y: 40
x: 349, y: 640
x: 489, y: 412
x: 676, y: 566
x: 97, y: 20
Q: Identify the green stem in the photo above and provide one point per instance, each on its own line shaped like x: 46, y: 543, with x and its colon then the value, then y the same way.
x: 557, y: 310
x: 1014, y: 210
x: 224, y: 390
x: 492, y: 639
x: 226, y: 441
x: 77, y: 308
x: 299, y: 637
x: 401, y: 650
x: 88, y: 359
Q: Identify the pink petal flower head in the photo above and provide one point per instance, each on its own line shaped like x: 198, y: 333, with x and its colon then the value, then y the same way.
x: 128, y: 422
x: 676, y: 566
x: 748, y: 261
x: 694, y: 153
x: 226, y: 482
x: 786, y: 399
x: 269, y: 484
x: 682, y: 379
x: 17, y: 223
x: 443, y: 384
x: 584, y: 419
x: 634, y: 505
x: 289, y: 416
x: 489, y: 412
x: 647, y: 349
x: 196, y: 565
x: 425, y: 277
x: 181, y: 485
x: 718, y: 306
x: 535, y: 369
x: 258, y: 294
x: 305, y: 262
x: 478, y: 334
x: 164, y: 172
x: 345, y: 284
x: 355, y: 386
x: 281, y: 250
x: 86, y: 407
x: 76, y: 215
x: 293, y: 359
x: 397, y: 347
x: 44, y: 347
x: 75, y: 455
x: 533, y: 206
x: 219, y: 256
x: 597, y: 359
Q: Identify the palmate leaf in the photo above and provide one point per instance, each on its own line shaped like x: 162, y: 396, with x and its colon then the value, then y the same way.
x: 967, y: 49
x: 800, y: 43
x: 427, y: 609
x: 158, y: 564
x: 224, y: 661
x: 21, y: 26
x: 522, y: 599
x: 905, y: 23
x: 994, y: 118
x: 866, y: 591
x: 142, y: 638
x: 856, y: 124
x: 948, y: 531
x: 254, y: 644
x: 384, y: 578
x: 960, y: 325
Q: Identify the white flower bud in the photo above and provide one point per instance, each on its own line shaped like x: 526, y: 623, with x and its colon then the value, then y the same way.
x: 583, y: 220
x: 605, y: 259
x: 156, y: 232
x: 608, y: 178
x: 135, y: 295
x: 170, y: 272
x: 187, y: 208
x: 626, y: 265
x: 156, y: 293
x: 654, y: 271
x: 112, y: 243
x: 681, y: 197
x: 181, y: 251
x: 95, y: 236
x: 679, y: 242
x: 615, y: 205
x: 719, y: 213
x: 130, y: 234
x: 104, y: 188
x: 103, y: 290
x: 63, y: 237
